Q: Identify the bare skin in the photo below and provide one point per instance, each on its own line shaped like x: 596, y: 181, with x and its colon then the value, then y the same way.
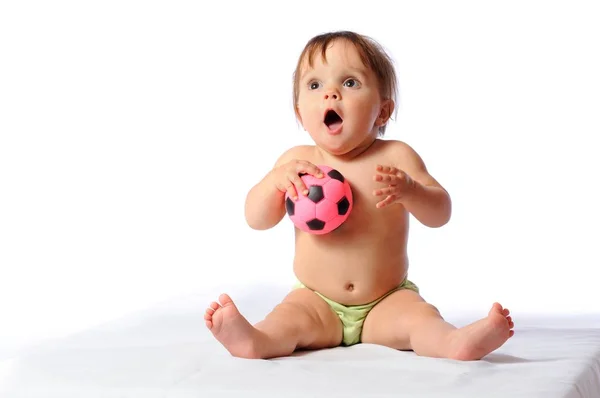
x: 366, y: 257
x: 358, y: 273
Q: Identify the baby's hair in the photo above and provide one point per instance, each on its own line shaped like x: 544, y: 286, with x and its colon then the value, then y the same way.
x: 371, y: 54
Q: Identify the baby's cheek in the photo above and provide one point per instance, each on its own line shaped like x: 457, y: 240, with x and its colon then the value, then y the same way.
x: 311, y: 116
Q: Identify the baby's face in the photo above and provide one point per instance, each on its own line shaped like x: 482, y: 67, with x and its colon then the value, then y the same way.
x: 338, y: 99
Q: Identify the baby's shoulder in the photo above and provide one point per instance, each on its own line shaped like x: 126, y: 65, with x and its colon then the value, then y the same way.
x: 300, y: 152
x: 395, y: 148
x: 399, y: 154
x: 393, y: 144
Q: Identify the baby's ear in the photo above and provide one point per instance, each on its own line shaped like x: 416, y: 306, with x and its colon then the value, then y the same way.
x: 387, y: 107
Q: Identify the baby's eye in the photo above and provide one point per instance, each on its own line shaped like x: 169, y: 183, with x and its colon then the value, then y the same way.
x: 352, y: 83
x: 313, y: 85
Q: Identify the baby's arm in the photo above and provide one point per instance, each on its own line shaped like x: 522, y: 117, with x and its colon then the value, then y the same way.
x: 265, y: 205
x: 427, y: 200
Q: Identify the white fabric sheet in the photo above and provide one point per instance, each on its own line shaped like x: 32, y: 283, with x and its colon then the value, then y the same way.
x: 166, y: 351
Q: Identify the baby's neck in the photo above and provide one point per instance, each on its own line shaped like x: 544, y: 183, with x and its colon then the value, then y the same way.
x: 349, y: 156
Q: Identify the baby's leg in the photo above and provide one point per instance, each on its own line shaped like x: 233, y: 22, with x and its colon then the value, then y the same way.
x: 302, y: 320
x: 404, y: 321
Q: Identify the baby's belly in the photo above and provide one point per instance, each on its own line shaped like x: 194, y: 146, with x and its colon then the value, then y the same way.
x: 350, y: 274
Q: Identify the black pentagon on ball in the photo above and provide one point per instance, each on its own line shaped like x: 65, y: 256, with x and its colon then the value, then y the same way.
x: 343, y: 205
x: 336, y: 175
x: 315, y: 224
x: 290, y: 207
x: 315, y: 193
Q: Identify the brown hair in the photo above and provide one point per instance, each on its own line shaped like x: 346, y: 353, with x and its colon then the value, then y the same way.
x: 371, y: 54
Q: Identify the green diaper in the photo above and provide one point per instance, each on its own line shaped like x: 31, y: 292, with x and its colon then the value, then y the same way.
x: 353, y: 316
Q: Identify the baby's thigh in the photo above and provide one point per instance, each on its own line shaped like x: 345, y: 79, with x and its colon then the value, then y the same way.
x: 389, y: 323
x: 319, y: 325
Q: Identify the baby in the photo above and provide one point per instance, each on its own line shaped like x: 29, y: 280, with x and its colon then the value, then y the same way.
x: 352, y: 282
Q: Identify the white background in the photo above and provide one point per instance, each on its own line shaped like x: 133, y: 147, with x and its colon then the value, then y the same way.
x: 130, y: 133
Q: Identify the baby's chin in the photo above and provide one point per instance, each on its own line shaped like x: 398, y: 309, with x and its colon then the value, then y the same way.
x: 338, y: 147
x: 336, y: 150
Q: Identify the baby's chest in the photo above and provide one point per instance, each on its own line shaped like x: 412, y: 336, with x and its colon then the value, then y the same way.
x: 365, y: 217
x: 362, y: 184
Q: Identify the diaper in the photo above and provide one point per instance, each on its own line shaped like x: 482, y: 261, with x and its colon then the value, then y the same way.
x: 353, y: 316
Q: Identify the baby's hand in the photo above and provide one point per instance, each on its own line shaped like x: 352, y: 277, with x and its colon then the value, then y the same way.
x: 287, y: 177
x: 400, y: 185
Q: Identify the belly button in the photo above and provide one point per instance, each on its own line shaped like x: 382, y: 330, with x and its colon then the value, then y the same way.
x: 350, y: 287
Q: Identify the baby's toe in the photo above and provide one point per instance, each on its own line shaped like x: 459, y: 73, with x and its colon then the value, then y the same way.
x: 496, y: 307
x: 511, y: 324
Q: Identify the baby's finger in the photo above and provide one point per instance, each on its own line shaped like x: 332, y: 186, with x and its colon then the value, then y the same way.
x: 298, y: 184
x: 291, y: 191
x: 387, y: 178
x: 309, y: 168
x: 386, y: 169
x: 384, y: 191
x: 387, y: 201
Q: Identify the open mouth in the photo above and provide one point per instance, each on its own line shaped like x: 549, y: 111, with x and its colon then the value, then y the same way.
x: 333, y: 121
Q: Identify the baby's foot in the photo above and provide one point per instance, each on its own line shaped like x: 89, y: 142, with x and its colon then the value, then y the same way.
x: 232, y: 330
x: 482, y: 337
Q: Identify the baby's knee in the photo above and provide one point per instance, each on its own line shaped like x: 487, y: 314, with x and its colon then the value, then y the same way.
x: 297, y: 313
x: 423, y: 311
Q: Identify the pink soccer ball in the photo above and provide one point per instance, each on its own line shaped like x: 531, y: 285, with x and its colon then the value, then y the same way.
x: 327, y: 205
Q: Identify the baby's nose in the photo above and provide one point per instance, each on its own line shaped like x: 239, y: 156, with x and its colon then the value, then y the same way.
x: 332, y: 94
